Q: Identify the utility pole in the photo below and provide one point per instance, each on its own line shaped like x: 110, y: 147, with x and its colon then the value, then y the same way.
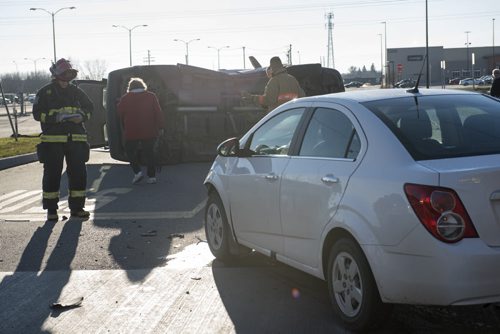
x: 467, y: 50
x: 149, y: 59
x: 290, y: 55
x: 244, y: 59
x: 329, y: 56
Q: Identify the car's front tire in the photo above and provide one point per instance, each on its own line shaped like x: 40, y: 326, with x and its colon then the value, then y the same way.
x: 217, y: 228
x: 353, y: 291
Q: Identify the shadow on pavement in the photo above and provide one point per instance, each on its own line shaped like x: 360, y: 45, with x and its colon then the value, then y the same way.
x: 266, y: 296
x: 26, y: 298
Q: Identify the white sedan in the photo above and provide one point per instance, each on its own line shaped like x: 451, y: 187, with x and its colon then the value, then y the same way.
x: 391, y: 196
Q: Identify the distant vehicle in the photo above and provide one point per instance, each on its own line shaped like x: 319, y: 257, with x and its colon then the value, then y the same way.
x: 356, y: 84
x: 469, y: 81
x: 405, y: 83
x: 454, y: 81
x: 487, y: 79
x: 7, y: 101
x: 202, y: 106
x: 31, y: 98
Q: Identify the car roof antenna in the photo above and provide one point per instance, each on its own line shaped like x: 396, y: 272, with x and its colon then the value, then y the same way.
x: 415, y: 89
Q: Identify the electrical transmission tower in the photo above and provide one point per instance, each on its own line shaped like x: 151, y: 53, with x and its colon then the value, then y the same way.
x: 329, y: 57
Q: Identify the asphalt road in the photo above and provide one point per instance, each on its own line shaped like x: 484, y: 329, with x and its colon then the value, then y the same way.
x: 142, y: 265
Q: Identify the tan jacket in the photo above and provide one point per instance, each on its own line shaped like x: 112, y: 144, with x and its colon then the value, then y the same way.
x: 281, y: 88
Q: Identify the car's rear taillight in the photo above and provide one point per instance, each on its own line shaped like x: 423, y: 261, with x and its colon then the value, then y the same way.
x: 441, y: 211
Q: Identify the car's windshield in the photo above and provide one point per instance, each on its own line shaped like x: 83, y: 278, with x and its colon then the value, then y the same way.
x: 444, y: 126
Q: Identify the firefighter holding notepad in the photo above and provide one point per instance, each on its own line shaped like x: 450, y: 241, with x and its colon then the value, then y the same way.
x: 61, y: 108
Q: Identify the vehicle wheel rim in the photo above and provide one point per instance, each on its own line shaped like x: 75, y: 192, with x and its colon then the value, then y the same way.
x: 215, y: 226
x: 347, y: 284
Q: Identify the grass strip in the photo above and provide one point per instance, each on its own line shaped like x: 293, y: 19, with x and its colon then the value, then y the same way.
x: 10, y: 147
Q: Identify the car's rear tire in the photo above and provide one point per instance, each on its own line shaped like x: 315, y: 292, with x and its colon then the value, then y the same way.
x: 216, y: 228
x: 353, y: 291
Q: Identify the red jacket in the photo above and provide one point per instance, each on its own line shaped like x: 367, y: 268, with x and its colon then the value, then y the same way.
x: 141, y: 115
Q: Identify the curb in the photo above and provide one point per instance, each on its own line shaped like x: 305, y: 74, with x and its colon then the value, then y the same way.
x: 17, y: 160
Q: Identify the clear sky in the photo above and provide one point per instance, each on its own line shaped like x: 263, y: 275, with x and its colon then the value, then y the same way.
x: 265, y: 28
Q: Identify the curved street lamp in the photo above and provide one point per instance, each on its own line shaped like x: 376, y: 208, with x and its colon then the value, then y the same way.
x: 218, y: 53
x: 53, y: 25
x: 130, y: 37
x: 187, y: 47
x: 34, y: 62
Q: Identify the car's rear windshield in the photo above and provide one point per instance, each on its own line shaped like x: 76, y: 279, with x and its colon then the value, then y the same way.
x: 443, y: 126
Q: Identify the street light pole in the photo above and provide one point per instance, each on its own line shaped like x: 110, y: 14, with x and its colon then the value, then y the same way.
x: 34, y: 62
x: 467, y: 50
x: 130, y: 37
x: 494, y: 62
x: 427, y: 44
x: 187, y: 47
x: 381, y: 59
x: 53, y: 25
x: 385, y: 53
x: 218, y: 53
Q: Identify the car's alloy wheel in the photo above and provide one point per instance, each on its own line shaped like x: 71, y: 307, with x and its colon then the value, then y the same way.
x: 347, y: 284
x: 353, y: 291
x: 216, y: 227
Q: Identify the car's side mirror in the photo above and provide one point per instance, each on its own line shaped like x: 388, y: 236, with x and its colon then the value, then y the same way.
x: 229, y: 147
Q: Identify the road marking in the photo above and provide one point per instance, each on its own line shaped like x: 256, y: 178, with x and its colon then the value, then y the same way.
x: 23, y: 198
x: 18, y: 198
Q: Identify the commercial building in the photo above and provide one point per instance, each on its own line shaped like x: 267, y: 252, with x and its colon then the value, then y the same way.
x: 403, y: 63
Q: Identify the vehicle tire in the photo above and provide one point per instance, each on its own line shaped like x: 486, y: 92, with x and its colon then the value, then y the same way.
x: 353, y: 291
x: 216, y: 228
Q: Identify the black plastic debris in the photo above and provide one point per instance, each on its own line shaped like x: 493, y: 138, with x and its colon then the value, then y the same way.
x: 72, y: 303
x: 176, y: 235
x: 150, y: 233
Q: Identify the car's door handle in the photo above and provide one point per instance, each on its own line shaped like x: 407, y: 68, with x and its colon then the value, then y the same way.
x: 495, y: 196
x: 330, y: 179
x: 271, y: 177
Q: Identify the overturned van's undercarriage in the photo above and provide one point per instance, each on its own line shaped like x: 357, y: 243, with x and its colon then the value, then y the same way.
x: 203, y: 107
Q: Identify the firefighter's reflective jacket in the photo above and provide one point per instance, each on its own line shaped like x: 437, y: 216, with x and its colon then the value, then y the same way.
x: 55, y: 106
x: 281, y: 88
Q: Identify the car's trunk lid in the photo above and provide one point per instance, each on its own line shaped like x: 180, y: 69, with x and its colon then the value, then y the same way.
x: 477, y: 182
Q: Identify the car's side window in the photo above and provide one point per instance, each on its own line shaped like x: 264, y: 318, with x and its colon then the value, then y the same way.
x: 274, y: 137
x: 330, y: 134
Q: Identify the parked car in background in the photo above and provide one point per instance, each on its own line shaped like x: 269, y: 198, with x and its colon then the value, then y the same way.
x: 454, y: 81
x: 356, y: 84
x: 405, y: 83
x: 391, y: 196
x: 7, y: 101
x: 31, y: 98
x: 487, y: 79
x: 469, y: 81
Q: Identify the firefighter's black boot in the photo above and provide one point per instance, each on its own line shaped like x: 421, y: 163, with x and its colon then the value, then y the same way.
x: 81, y: 213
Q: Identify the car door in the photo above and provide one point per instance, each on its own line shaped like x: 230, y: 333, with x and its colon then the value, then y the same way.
x: 255, y: 181
x: 315, y: 179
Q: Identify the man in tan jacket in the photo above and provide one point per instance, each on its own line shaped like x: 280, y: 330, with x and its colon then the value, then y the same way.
x: 281, y: 87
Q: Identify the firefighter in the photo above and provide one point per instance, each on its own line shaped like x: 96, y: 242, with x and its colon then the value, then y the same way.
x: 61, y: 108
x: 281, y: 87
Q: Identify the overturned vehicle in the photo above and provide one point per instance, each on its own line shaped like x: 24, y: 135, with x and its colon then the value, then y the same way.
x: 203, y: 107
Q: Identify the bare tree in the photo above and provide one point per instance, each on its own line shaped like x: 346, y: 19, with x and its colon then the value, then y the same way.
x: 93, y: 69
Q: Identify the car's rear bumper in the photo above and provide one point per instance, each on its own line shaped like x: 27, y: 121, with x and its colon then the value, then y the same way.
x: 422, y: 270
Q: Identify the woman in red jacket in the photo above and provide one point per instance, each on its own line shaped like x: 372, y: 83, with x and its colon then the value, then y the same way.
x: 142, y: 121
